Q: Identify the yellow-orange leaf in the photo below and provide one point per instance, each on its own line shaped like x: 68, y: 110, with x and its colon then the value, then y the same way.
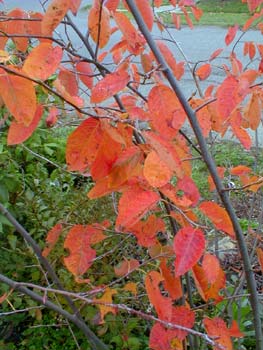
x: 19, y: 132
x: 109, y: 86
x: 156, y: 171
x: 99, y: 25
x: 56, y: 11
x: 189, y: 245
x: 19, y: 97
x: 219, y: 217
x: 42, y: 61
x: 107, y: 299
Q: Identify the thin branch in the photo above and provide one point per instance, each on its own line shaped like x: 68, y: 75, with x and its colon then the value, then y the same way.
x: 24, y: 287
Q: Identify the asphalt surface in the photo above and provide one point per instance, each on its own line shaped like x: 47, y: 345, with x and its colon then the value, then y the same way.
x: 195, y: 45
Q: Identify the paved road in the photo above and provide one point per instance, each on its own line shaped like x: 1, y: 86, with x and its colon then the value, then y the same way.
x: 197, y: 45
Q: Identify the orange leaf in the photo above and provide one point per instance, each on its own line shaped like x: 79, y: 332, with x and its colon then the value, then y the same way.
x: 19, y: 97
x: 146, y: 231
x: 164, y: 339
x: 177, y: 68
x: 197, y: 12
x: 204, y: 71
x: 227, y: 97
x: 112, y: 5
x: 68, y: 79
x: 78, y: 242
x: 52, y: 238
x: 260, y: 257
x: 85, y: 73
x: 253, y: 4
x: 156, y: 171
x: 231, y: 34
x: 208, y: 290
x: 18, y: 27
x: 109, y: 86
x: 133, y: 205
x: 99, y: 25
x: 106, y: 298
x: 252, y: 111
x: 83, y: 144
x: 211, y: 267
x: 126, y: 166
x: 162, y: 305
x: 219, y: 217
x: 19, y: 133
x: 215, y: 54
x: 42, y: 61
x: 171, y: 283
x: 131, y: 287
x: 217, y: 328
x: 56, y: 11
x: 134, y: 39
x: 125, y: 267
x: 166, y: 152
x: 189, y: 244
x: 166, y: 112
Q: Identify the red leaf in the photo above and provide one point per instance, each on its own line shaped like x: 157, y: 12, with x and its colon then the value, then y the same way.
x: 197, y: 12
x: 133, y: 205
x: 163, y: 339
x: 51, y: 119
x: 85, y: 73
x: 109, y: 86
x: 231, y: 34
x: 189, y: 244
x: 219, y: 217
x: 112, y: 5
x: 42, y: 61
x: 99, y: 25
x: 253, y: 4
x: 156, y: 171
x: 56, y: 11
x: 146, y: 231
x: 78, y: 242
x: 19, y: 133
x: 234, y: 330
x: 162, y: 305
x: 126, y: 267
x: 204, y: 71
x: 52, y: 238
x: 19, y: 97
x: 187, y: 185
x: 227, y: 97
x: 83, y: 144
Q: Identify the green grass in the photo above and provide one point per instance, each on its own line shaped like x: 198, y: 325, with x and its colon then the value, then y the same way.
x: 217, y: 13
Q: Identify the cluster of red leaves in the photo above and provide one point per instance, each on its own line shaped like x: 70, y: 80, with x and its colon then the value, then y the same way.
x: 147, y: 174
